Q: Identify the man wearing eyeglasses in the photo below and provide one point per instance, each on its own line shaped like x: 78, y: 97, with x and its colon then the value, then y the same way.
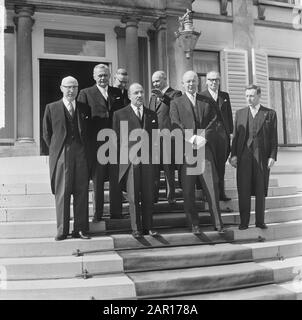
x: 66, y: 132
x: 220, y: 128
x: 103, y: 100
x: 121, y: 82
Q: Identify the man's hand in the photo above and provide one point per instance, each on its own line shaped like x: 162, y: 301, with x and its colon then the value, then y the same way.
x: 271, y: 162
x: 233, y: 161
x: 157, y: 93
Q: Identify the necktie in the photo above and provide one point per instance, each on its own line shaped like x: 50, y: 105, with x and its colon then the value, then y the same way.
x: 138, y: 113
x: 70, y: 109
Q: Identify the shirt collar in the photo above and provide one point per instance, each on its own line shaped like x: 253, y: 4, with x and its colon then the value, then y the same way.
x: 102, y: 89
x: 66, y: 103
x: 165, y: 89
x: 214, y: 94
x: 135, y: 107
x: 257, y: 107
x: 189, y: 95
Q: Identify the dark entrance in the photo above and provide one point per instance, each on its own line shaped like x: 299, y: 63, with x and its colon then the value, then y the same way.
x: 51, y: 74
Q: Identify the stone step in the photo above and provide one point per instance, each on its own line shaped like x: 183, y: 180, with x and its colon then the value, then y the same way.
x: 266, y: 292
x: 45, y: 247
x: 47, y: 199
x: 38, y: 229
x: 59, y: 267
x: 270, y: 202
x: 105, y: 287
x: 17, y: 228
x: 275, y: 231
x: 202, y: 279
x: 40, y: 186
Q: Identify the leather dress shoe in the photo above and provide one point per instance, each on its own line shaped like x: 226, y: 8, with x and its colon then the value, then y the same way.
x: 60, y: 238
x: 220, y: 230
x: 195, y: 230
x: 136, y: 234
x: 261, y: 226
x: 172, y: 201
x: 152, y: 233
x: 80, y: 235
x: 224, y: 198
x: 242, y: 227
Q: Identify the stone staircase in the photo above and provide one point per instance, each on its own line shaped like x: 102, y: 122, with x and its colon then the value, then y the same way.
x: 249, y: 264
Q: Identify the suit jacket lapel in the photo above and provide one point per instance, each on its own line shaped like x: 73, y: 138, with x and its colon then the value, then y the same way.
x: 262, y: 113
x: 77, y: 114
x: 100, y: 96
x: 220, y: 101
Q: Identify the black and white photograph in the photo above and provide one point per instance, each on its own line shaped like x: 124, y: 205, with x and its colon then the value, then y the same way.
x: 150, y: 151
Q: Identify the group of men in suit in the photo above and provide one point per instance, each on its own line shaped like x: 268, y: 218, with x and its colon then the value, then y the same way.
x: 71, y: 128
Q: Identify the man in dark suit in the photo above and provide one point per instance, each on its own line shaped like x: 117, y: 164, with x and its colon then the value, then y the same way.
x: 189, y: 114
x: 254, y: 152
x: 137, y: 175
x: 66, y: 132
x: 121, y: 82
x: 221, y: 127
x: 160, y: 100
x: 103, y: 100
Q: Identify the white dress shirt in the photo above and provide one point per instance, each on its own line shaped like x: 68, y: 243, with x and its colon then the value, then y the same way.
x: 104, y: 91
x: 192, y: 98
x: 138, y: 109
x: 67, y: 104
x: 254, y: 110
x: 213, y: 94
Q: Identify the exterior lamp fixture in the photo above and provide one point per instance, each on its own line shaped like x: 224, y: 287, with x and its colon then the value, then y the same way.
x: 186, y: 35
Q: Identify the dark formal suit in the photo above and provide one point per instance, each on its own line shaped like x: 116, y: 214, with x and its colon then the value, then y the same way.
x: 138, y: 178
x: 68, y: 140
x: 185, y: 116
x: 102, y: 112
x: 125, y: 98
x: 162, y: 107
x: 219, y: 131
x: 254, y: 142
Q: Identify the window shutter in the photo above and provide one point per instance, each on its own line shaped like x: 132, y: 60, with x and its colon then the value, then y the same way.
x: 260, y: 74
x: 234, y: 67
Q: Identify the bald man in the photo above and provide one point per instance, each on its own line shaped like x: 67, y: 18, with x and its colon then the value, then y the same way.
x: 160, y: 100
x: 121, y: 82
x: 188, y: 113
x: 66, y: 132
x: 221, y: 127
x: 135, y: 175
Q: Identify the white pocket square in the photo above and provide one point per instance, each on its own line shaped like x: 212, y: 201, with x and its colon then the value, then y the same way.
x: 153, y: 121
x: 118, y: 98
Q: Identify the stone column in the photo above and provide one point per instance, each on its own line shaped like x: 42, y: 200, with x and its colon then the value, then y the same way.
x: 24, y: 22
x: 121, y: 46
x: 153, y: 59
x: 161, y: 43
x: 132, y: 48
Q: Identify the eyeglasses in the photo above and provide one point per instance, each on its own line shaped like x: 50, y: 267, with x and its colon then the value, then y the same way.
x: 212, y: 80
x: 70, y: 87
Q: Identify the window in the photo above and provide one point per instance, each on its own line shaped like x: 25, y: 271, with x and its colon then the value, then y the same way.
x: 74, y: 43
x: 284, y: 80
x: 203, y: 62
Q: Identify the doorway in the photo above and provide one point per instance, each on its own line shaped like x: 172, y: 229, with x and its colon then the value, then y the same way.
x: 51, y: 74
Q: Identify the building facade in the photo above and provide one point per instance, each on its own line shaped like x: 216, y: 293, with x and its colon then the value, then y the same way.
x: 247, y: 41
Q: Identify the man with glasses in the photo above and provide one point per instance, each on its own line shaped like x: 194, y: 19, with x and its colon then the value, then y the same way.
x: 121, y: 82
x: 220, y: 128
x: 103, y: 100
x: 66, y: 131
